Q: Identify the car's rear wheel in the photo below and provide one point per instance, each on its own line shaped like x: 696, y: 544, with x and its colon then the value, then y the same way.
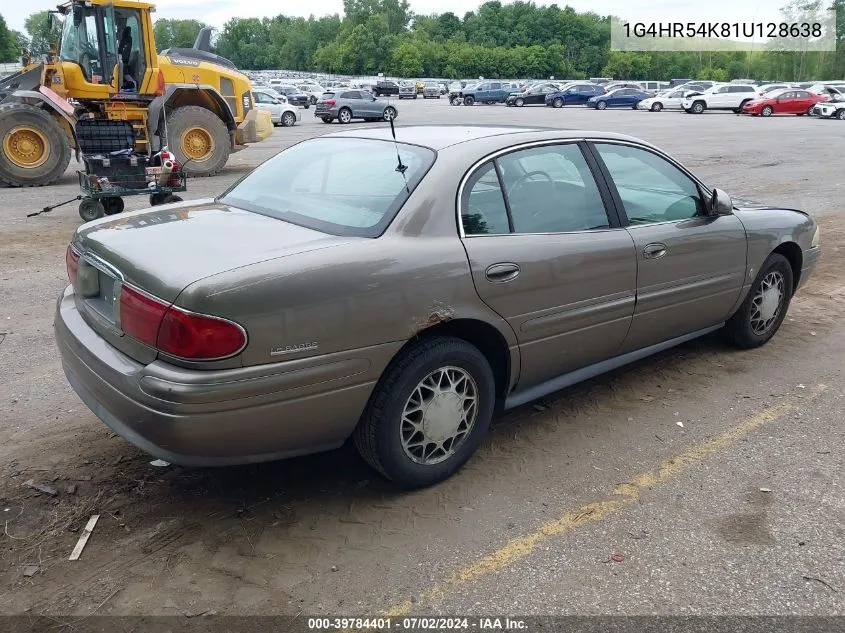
x: 313, y: 100
x: 764, y: 309
x: 558, y: 102
x: 767, y: 111
x: 345, y: 115
x: 656, y: 107
x: 469, y: 100
x: 429, y: 412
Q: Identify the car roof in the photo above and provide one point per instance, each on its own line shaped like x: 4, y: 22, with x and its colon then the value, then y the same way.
x: 439, y: 137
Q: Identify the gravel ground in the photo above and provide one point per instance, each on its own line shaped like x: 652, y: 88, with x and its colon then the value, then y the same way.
x: 737, y: 512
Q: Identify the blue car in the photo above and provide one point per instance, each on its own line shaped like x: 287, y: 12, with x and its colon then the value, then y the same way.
x: 573, y: 94
x: 620, y: 98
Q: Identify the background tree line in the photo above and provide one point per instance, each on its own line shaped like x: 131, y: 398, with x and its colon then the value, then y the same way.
x: 517, y: 40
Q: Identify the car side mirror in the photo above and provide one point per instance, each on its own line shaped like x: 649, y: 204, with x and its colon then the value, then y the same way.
x: 721, y: 203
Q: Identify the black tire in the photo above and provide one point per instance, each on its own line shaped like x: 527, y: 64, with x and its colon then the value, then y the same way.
x: 378, y: 434
x: 113, y: 205
x: 327, y: 119
x: 90, y: 209
x: 288, y: 119
x: 183, y: 119
x: 840, y: 114
x: 389, y: 113
x: 767, y: 111
x: 519, y: 103
x: 313, y: 100
x: 306, y: 105
x: 13, y: 115
x: 163, y: 198
x: 558, y: 102
x: 344, y: 116
x: 656, y: 107
x: 697, y: 107
x: 601, y: 105
x: 739, y: 328
x: 469, y: 100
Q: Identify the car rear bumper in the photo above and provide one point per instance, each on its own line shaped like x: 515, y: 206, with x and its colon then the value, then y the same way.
x: 218, y: 417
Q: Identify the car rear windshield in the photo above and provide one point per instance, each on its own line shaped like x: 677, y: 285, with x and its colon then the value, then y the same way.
x: 341, y: 186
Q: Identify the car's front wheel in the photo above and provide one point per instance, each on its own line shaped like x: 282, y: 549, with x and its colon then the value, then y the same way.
x: 469, y: 100
x: 429, y: 412
x: 558, y: 102
x: 656, y: 107
x: 288, y: 119
x: 767, y: 111
x: 389, y: 113
x: 698, y: 107
x: 601, y: 105
x: 840, y: 114
x: 520, y: 103
x: 764, y: 309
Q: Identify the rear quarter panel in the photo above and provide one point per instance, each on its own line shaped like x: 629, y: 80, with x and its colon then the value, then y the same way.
x: 365, y: 293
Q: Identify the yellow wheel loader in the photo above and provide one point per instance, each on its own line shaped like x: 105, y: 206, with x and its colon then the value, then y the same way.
x: 107, y: 88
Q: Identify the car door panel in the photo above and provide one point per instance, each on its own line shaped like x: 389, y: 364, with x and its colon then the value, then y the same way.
x: 690, y: 266
x: 694, y: 285
x: 572, y: 302
x: 568, y: 295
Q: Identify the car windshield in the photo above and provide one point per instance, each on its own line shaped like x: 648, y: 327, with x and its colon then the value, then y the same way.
x: 324, y: 185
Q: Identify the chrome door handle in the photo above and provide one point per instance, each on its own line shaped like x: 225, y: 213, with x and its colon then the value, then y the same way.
x: 501, y: 272
x: 654, y: 251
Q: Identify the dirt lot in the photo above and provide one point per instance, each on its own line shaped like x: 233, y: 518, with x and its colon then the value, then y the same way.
x: 597, y: 501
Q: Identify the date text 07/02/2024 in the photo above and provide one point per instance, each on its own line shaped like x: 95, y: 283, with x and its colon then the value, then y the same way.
x: 417, y: 624
x: 723, y: 29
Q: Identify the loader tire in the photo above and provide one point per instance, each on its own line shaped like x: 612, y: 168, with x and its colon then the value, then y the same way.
x: 34, y: 149
x: 199, y: 139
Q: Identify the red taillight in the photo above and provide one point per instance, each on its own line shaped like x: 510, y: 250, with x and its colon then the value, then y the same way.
x: 140, y: 315
x: 196, y: 336
x: 175, y: 331
x: 330, y: 102
x: 72, y: 261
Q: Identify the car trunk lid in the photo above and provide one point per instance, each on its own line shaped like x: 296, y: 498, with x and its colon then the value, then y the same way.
x: 163, y: 250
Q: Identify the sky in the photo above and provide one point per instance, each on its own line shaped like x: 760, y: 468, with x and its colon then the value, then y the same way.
x: 217, y: 12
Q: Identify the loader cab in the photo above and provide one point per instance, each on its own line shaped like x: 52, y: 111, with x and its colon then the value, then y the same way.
x: 104, y: 49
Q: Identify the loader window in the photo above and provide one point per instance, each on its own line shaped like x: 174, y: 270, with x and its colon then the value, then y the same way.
x: 80, y: 42
x: 130, y: 48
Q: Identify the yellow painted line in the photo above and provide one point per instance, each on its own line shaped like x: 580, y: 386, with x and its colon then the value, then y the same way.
x: 624, y: 495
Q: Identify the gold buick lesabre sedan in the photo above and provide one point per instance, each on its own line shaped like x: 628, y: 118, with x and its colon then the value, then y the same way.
x: 401, y: 292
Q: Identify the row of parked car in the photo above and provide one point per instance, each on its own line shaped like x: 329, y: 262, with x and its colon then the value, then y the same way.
x: 822, y: 98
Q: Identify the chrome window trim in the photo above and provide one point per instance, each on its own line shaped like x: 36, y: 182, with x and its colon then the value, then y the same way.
x: 568, y: 141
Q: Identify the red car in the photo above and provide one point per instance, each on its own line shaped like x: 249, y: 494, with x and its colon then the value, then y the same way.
x: 787, y: 101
